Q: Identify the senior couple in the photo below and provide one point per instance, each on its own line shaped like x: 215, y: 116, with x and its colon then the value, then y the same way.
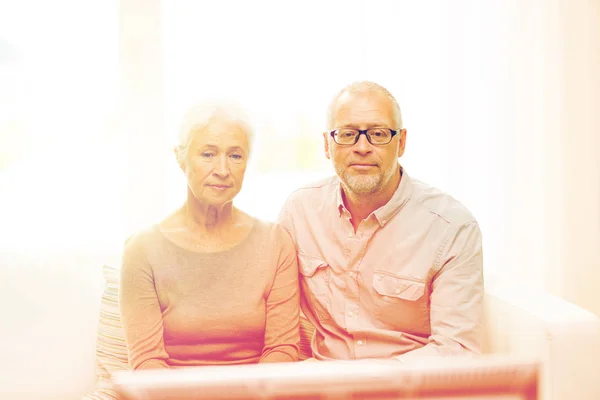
x: 383, y: 265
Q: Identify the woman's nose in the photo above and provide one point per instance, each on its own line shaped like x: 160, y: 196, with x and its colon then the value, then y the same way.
x: 221, y: 167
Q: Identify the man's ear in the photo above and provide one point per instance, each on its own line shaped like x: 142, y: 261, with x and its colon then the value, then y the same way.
x: 401, y: 142
x: 326, y: 144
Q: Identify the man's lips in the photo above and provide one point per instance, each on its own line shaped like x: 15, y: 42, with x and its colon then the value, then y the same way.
x: 362, y: 165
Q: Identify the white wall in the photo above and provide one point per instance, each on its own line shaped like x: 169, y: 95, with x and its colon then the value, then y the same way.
x: 580, y: 127
x: 501, y: 101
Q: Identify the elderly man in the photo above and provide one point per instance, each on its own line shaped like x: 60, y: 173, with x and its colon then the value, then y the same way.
x: 389, y: 266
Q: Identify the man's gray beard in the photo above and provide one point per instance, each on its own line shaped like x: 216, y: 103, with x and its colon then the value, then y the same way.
x: 362, y: 184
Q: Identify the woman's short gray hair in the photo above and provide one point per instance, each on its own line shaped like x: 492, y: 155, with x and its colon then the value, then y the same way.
x: 200, y: 116
x: 362, y: 87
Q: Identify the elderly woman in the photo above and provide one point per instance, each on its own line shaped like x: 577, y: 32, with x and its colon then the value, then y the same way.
x: 210, y: 285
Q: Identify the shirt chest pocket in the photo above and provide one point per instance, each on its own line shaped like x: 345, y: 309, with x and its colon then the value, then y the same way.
x: 400, y: 302
x: 314, y: 283
x: 393, y: 287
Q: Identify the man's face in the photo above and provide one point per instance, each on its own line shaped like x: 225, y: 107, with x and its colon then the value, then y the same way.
x: 365, y: 168
x: 215, y: 162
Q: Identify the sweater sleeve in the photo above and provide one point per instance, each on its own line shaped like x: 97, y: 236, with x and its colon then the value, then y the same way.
x: 283, y: 305
x: 140, y: 310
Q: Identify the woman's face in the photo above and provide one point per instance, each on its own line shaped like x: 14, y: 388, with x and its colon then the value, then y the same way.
x: 216, y: 161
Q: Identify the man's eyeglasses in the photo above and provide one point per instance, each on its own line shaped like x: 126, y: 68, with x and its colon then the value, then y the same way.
x: 376, y: 136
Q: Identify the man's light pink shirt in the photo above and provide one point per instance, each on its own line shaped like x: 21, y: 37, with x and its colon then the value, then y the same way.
x: 408, y: 283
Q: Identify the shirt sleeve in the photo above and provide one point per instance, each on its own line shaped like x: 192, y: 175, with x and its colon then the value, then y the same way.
x: 282, y: 306
x: 140, y: 310
x: 285, y: 219
x: 456, y: 312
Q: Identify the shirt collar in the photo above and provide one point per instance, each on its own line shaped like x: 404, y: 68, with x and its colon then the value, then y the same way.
x: 384, y: 213
x: 339, y: 202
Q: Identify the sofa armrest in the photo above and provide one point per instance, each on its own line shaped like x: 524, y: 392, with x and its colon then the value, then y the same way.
x: 564, y: 337
x: 50, y: 322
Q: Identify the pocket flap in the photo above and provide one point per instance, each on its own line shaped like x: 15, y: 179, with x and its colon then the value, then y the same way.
x: 309, y: 265
x: 406, y: 289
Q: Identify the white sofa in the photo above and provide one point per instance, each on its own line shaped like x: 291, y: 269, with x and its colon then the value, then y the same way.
x: 51, y: 302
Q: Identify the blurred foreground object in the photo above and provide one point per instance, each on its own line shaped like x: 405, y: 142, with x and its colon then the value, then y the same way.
x: 487, y: 377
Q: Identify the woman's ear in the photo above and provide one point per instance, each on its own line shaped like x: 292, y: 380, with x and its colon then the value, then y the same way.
x: 179, y: 158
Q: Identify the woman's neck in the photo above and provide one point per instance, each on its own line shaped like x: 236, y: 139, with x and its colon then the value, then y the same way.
x: 201, y: 218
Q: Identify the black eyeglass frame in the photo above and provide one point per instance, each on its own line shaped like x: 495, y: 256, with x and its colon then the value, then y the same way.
x: 333, y: 134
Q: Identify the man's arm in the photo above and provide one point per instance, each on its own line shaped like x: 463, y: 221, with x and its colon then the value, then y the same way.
x: 456, y: 312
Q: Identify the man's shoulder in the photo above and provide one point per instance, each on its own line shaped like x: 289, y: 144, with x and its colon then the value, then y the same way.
x: 319, y: 188
x: 440, y: 203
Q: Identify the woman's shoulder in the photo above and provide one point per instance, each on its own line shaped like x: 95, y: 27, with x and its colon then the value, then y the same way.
x: 274, y: 233
x: 150, y: 236
x: 142, y: 239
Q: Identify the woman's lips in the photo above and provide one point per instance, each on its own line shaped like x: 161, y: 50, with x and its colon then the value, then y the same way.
x: 219, y: 187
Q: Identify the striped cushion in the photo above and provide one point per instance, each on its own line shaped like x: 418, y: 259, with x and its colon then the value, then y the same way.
x: 306, y: 334
x: 111, y: 349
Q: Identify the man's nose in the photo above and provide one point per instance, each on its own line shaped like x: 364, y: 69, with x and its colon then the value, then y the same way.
x: 362, y: 146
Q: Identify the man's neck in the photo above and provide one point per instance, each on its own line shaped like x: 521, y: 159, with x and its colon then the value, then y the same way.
x: 361, y: 205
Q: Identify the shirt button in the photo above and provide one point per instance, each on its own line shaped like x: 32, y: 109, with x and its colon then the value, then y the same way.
x: 360, y: 342
x: 398, y: 291
x: 351, y: 274
x: 350, y: 313
x: 378, y: 277
x: 350, y: 234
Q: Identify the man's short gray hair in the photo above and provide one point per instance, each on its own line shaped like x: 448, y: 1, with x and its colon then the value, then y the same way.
x: 364, y: 87
x: 200, y: 116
